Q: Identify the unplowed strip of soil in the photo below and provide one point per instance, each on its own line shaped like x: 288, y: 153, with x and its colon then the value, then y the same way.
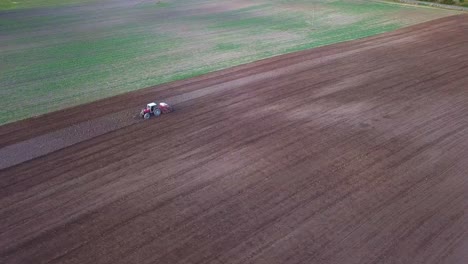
x: 350, y: 153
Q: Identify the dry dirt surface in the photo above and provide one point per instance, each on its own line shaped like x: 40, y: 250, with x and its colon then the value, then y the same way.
x: 350, y: 153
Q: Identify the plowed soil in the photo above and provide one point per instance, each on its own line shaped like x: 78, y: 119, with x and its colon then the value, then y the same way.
x: 350, y: 153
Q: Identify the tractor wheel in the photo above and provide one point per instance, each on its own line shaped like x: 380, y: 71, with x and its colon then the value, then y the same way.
x: 146, y: 116
x: 157, y: 112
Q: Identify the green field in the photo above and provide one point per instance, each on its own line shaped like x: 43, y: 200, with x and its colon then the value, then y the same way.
x: 55, y: 54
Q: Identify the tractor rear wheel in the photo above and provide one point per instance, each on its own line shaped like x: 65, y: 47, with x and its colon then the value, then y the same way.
x: 157, y: 112
x: 146, y: 116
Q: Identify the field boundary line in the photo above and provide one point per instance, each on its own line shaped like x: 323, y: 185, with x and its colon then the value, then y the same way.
x: 430, y: 4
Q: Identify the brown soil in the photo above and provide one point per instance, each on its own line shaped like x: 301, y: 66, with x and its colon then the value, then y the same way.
x: 350, y: 153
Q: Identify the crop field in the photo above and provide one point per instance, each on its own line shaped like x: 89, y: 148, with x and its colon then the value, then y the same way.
x: 55, y: 55
x: 352, y: 153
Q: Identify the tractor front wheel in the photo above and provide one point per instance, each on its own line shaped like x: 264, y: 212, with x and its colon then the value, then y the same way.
x: 146, y: 116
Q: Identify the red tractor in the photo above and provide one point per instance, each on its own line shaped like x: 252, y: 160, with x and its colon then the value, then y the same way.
x: 156, y: 109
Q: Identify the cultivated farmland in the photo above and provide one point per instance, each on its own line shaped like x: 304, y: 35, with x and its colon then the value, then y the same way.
x: 352, y: 153
x: 55, y: 56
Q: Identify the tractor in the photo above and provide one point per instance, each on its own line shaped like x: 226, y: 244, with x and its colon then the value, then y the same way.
x: 156, y: 109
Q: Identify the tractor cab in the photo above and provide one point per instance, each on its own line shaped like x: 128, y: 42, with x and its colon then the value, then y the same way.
x: 151, y: 106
